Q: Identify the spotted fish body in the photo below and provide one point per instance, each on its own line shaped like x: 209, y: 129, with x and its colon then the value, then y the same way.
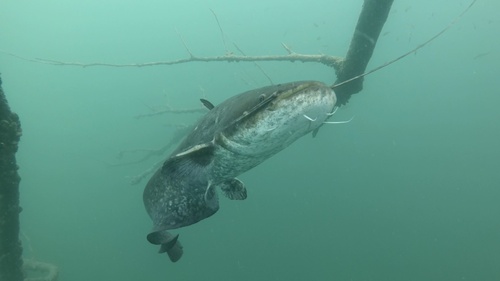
x: 230, y: 139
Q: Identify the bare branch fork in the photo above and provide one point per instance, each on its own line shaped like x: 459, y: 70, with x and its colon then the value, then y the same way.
x: 330, y: 61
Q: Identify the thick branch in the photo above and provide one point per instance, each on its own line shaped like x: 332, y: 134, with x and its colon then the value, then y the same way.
x: 370, y: 23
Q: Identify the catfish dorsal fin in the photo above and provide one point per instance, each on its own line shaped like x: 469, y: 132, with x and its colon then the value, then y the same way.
x: 200, y: 154
x: 194, y: 149
x: 207, y: 104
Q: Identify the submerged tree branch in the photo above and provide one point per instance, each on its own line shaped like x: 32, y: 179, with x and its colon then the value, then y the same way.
x: 364, y: 39
x: 330, y: 61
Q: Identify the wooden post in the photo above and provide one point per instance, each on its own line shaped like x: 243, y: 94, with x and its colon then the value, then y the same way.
x: 10, y: 245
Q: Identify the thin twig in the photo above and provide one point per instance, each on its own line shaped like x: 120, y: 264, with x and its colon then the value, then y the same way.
x: 221, y: 32
x: 138, y: 178
x: 178, y: 134
x: 174, y: 111
x: 256, y: 64
x: 184, y: 43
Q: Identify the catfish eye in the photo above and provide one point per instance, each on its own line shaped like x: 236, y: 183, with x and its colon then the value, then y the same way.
x: 262, y: 97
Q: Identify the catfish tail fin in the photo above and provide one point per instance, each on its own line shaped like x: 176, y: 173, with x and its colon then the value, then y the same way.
x: 168, y: 243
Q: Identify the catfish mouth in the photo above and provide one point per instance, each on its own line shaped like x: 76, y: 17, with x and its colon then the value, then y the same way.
x: 296, y: 99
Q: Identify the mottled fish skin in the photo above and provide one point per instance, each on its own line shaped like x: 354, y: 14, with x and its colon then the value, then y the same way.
x: 230, y: 139
x: 244, y: 144
x: 175, y: 196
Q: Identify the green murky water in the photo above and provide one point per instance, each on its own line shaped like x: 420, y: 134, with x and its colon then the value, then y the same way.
x: 408, y: 190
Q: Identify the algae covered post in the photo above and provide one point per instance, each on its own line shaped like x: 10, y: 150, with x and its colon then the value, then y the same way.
x: 10, y: 246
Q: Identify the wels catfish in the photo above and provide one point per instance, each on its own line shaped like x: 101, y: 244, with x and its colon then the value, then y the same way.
x: 232, y: 138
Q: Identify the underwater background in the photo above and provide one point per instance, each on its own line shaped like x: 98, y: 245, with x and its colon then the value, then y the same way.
x: 408, y: 190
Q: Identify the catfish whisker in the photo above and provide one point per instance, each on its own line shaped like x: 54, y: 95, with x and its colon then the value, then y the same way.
x: 333, y: 112
x: 339, y: 122
x: 309, y: 118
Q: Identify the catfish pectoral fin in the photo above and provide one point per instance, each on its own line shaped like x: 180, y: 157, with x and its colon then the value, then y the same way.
x: 234, y: 189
